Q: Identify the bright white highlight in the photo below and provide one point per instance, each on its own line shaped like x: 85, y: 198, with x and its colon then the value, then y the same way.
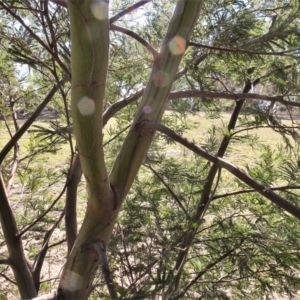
x: 99, y: 9
x: 72, y: 281
x: 177, y: 45
x: 86, y: 106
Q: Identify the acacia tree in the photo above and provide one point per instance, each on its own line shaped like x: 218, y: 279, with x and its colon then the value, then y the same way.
x: 171, y: 270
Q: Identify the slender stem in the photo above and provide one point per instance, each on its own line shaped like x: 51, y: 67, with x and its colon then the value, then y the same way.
x: 114, y: 108
x: 38, y: 264
x: 16, y: 155
x: 43, y: 214
x: 280, y: 53
x: 175, y: 197
x: 280, y: 188
x: 137, y: 37
x: 206, y: 269
x: 128, y: 10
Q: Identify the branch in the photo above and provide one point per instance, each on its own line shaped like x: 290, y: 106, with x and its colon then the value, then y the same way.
x: 114, y: 108
x: 53, y: 41
x: 11, y: 143
x: 76, y: 172
x: 221, y: 163
x: 137, y: 37
x: 128, y: 10
x: 38, y: 264
x: 6, y: 125
x: 281, y: 188
x: 5, y: 261
x: 205, y: 198
x: 223, y: 95
x: 101, y: 251
x: 126, y: 255
x: 280, y: 53
x: 118, y: 134
x: 24, y: 8
x: 192, y: 64
x: 71, y: 202
x: 8, y: 279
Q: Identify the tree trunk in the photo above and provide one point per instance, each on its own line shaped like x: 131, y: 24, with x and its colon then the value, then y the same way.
x: 90, y: 47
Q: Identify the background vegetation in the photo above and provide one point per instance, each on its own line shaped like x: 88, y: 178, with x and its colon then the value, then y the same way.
x: 192, y: 226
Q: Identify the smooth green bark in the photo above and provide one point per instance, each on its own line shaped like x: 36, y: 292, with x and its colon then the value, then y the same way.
x: 155, y: 97
x: 90, y: 48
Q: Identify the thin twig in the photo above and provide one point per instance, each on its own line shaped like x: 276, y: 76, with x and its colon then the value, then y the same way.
x: 206, y: 269
x: 128, y: 10
x: 280, y: 53
x: 126, y: 255
x: 137, y: 37
x: 36, y: 37
x: 38, y: 263
x: 281, y: 188
x: 170, y: 191
x: 224, y: 95
x: 62, y: 3
x: 44, y: 213
x: 117, y: 106
x: 5, y: 261
x: 118, y: 134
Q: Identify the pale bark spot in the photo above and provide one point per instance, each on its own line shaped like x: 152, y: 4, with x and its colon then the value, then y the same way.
x: 177, y: 45
x: 86, y: 106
